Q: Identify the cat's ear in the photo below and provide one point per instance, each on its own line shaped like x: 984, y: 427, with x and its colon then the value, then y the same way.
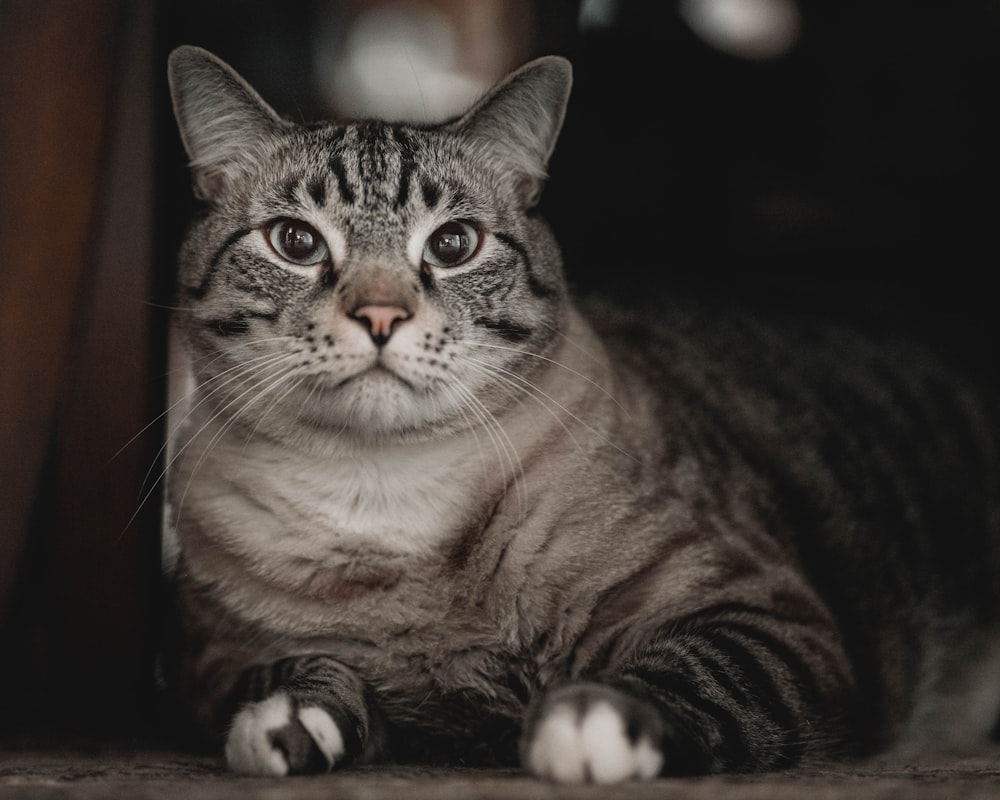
x: 515, y: 125
x: 221, y: 118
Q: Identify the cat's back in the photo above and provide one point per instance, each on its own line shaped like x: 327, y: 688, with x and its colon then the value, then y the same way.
x: 842, y: 418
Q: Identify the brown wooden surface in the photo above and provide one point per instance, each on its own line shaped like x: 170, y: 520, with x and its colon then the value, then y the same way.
x: 163, y: 775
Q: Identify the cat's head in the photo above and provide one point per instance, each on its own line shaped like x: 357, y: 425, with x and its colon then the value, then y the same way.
x: 378, y: 278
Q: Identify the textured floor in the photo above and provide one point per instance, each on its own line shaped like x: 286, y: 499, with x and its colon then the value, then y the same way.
x: 129, y: 772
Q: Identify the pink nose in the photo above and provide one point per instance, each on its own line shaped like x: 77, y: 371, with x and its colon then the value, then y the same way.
x: 380, y: 320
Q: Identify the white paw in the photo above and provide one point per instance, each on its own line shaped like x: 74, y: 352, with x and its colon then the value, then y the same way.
x: 253, y: 746
x: 571, y: 746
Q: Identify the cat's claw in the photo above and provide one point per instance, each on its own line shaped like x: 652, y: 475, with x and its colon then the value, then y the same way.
x: 273, y: 737
x: 593, y: 734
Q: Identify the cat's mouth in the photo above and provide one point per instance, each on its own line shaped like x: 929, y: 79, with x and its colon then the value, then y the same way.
x: 378, y: 373
x: 376, y: 400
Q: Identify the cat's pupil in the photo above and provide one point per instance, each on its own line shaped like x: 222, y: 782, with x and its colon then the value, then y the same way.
x: 298, y: 242
x: 450, y: 246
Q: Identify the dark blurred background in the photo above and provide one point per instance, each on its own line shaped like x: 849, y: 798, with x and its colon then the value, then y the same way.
x: 832, y: 157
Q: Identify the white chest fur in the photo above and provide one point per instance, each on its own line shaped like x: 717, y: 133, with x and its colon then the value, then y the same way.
x: 268, y: 501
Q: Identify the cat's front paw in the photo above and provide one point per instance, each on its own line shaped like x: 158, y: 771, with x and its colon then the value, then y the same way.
x: 591, y: 733
x: 275, y: 736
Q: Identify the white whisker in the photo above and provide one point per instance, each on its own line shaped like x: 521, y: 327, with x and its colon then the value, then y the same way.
x: 521, y: 384
x: 294, y: 385
x: 241, y: 369
x: 180, y: 402
x: 557, y: 331
x: 223, y: 380
x: 259, y: 393
x: 499, y: 438
x: 559, y: 364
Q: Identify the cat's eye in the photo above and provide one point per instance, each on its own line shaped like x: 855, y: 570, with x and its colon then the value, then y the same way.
x: 297, y: 242
x: 452, y: 244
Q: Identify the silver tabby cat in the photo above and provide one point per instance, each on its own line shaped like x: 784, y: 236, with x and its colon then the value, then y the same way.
x: 425, y: 508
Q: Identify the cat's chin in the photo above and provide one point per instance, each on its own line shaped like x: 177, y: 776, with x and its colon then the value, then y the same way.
x: 376, y: 406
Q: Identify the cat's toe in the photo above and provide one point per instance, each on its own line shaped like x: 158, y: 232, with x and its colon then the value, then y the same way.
x: 273, y: 737
x: 589, y: 733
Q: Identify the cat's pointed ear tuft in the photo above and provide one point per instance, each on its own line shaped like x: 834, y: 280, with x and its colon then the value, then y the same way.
x: 517, y: 123
x: 221, y: 118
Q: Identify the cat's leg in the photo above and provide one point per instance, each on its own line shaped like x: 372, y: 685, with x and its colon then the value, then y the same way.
x: 304, y: 714
x: 731, y: 698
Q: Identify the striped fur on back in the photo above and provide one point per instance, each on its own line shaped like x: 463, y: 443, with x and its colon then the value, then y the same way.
x: 425, y: 505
